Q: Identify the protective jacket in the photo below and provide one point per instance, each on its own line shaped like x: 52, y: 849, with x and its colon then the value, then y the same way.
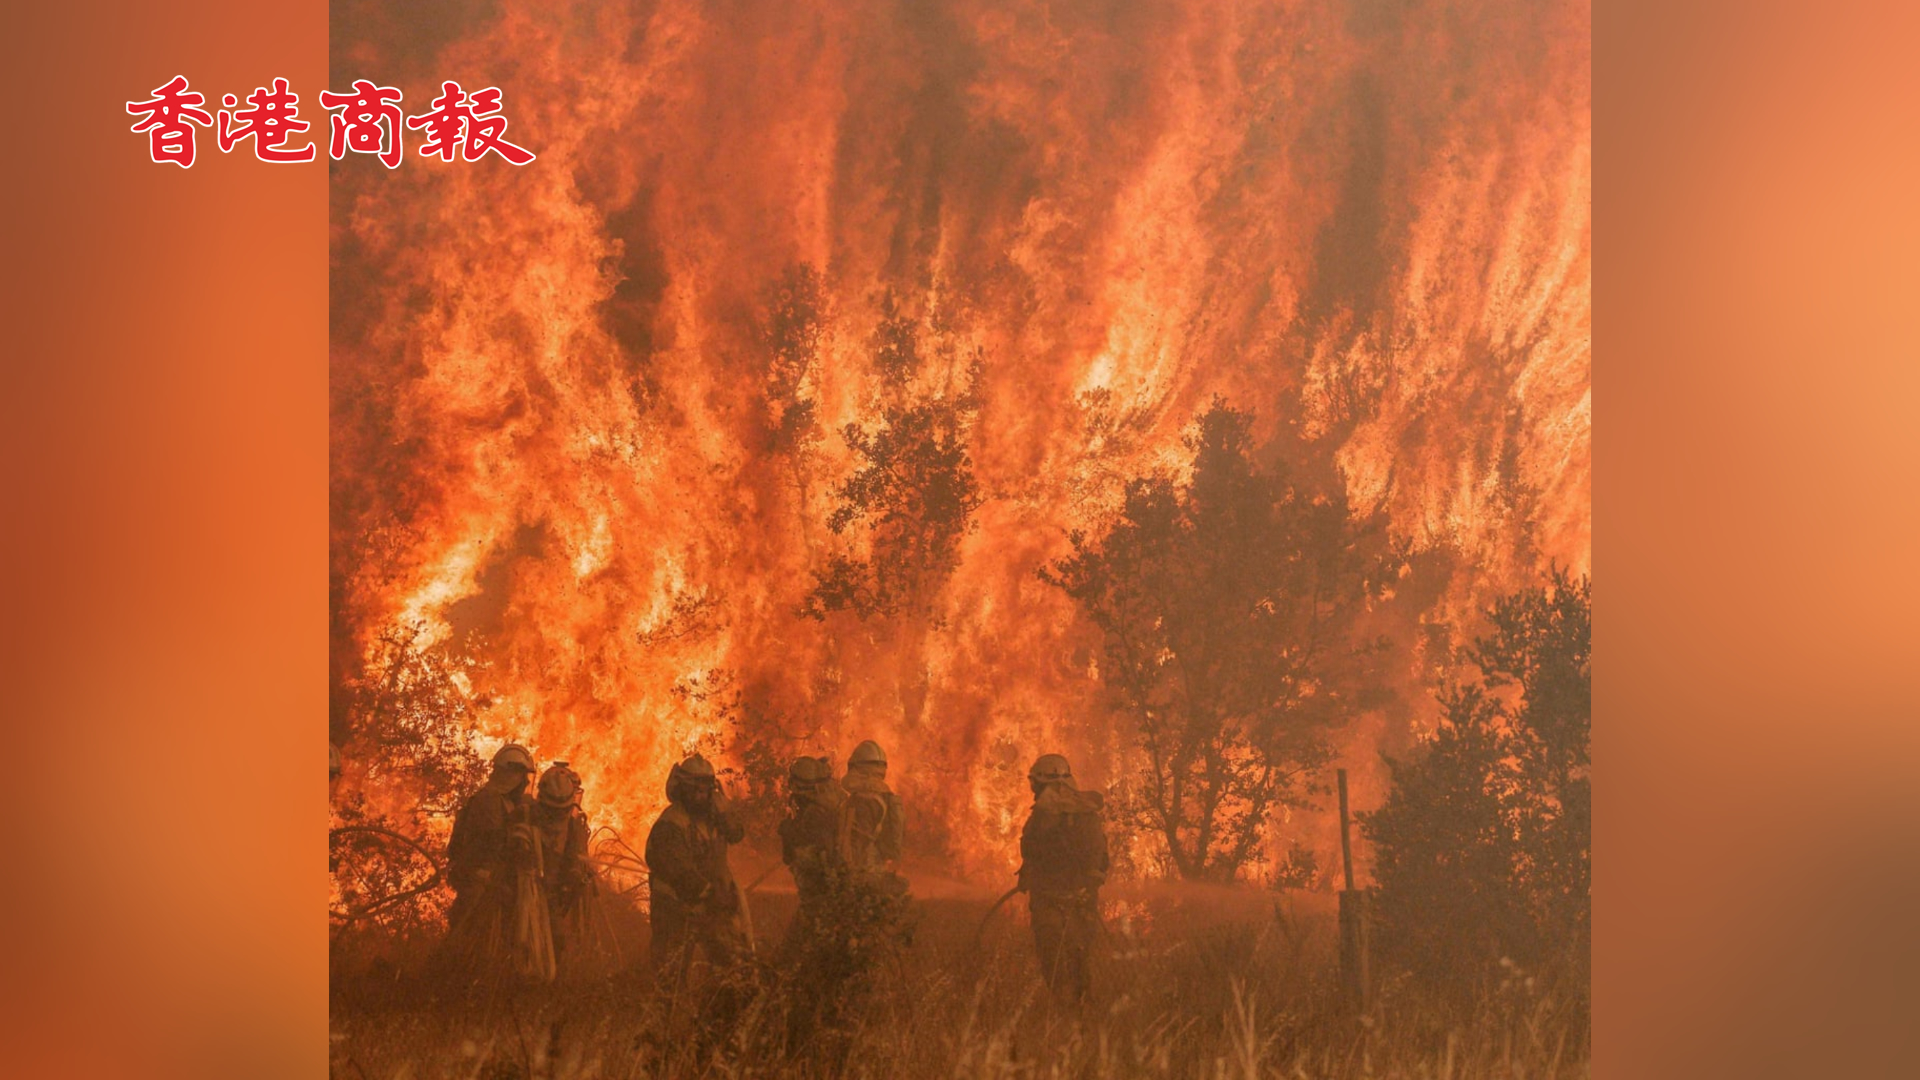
x: 687, y: 857
x: 810, y: 840
x: 563, y: 852
x: 479, y: 850
x: 872, y: 821
x: 1064, y: 843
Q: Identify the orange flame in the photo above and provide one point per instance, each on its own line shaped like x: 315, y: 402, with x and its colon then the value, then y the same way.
x: 1369, y: 223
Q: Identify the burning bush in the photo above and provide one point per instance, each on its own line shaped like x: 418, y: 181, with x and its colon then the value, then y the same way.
x: 406, y: 725
x: 1484, y: 843
x: 1228, y: 604
x: 912, y: 488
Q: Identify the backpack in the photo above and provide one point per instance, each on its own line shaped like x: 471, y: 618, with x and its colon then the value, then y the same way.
x: 1065, y: 845
x: 870, y: 825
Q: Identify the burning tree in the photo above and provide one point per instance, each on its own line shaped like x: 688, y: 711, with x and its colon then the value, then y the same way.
x: 795, y: 328
x: 913, y: 487
x: 406, y: 725
x: 409, y: 712
x: 1484, y: 842
x: 1229, y: 606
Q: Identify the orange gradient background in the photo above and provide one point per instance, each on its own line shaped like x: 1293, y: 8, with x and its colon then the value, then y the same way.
x: 1757, y: 839
x: 165, y: 523
x: 164, y: 519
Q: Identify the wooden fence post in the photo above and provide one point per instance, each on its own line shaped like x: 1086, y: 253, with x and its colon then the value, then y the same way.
x: 1356, y: 920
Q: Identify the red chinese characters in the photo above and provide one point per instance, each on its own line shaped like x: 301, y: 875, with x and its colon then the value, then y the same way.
x: 168, y: 119
x: 366, y: 120
x: 270, y: 120
x: 472, y: 126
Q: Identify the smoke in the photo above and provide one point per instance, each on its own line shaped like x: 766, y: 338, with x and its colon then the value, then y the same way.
x: 577, y: 446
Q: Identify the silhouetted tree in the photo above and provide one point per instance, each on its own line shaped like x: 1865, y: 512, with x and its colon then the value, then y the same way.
x: 913, y: 490
x: 406, y: 713
x: 793, y: 332
x: 895, y: 346
x: 1483, y: 845
x: 1228, y: 605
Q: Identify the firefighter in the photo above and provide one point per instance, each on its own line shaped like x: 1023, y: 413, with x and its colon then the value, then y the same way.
x: 1063, y: 848
x: 695, y: 899
x: 813, y: 954
x: 482, y: 862
x: 872, y: 820
x: 566, y: 872
x: 872, y: 922
x: 809, y: 837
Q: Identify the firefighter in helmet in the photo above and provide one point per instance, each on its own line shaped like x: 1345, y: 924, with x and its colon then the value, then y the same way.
x: 1063, y: 848
x: 482, y: 860
x: 695, y: 899
x: 853, y: 926
x: 809, y: 837
x: 812, y: 951
x: 872, y: 911
x: 872, y: 820
x: 565, y: 872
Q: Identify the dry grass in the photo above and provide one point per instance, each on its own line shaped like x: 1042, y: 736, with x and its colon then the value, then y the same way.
x: 1191, y: 984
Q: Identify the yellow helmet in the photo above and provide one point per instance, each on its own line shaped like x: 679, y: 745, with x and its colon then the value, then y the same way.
x: 867, y: 753
x: 808, y: 773
x: 1050, y: 769
x: 692, y: 772
x: 513, y: 754
x: 560, y: 785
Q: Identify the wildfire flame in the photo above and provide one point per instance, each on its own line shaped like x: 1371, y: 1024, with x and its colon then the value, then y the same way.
x: 558, y: 398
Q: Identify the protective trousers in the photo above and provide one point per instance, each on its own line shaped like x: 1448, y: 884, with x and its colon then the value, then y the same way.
x: 1064, y: 928
x: 677, y: 930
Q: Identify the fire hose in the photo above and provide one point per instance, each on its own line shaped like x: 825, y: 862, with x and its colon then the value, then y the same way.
x: 981, y: 931
x: 764, y: 875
